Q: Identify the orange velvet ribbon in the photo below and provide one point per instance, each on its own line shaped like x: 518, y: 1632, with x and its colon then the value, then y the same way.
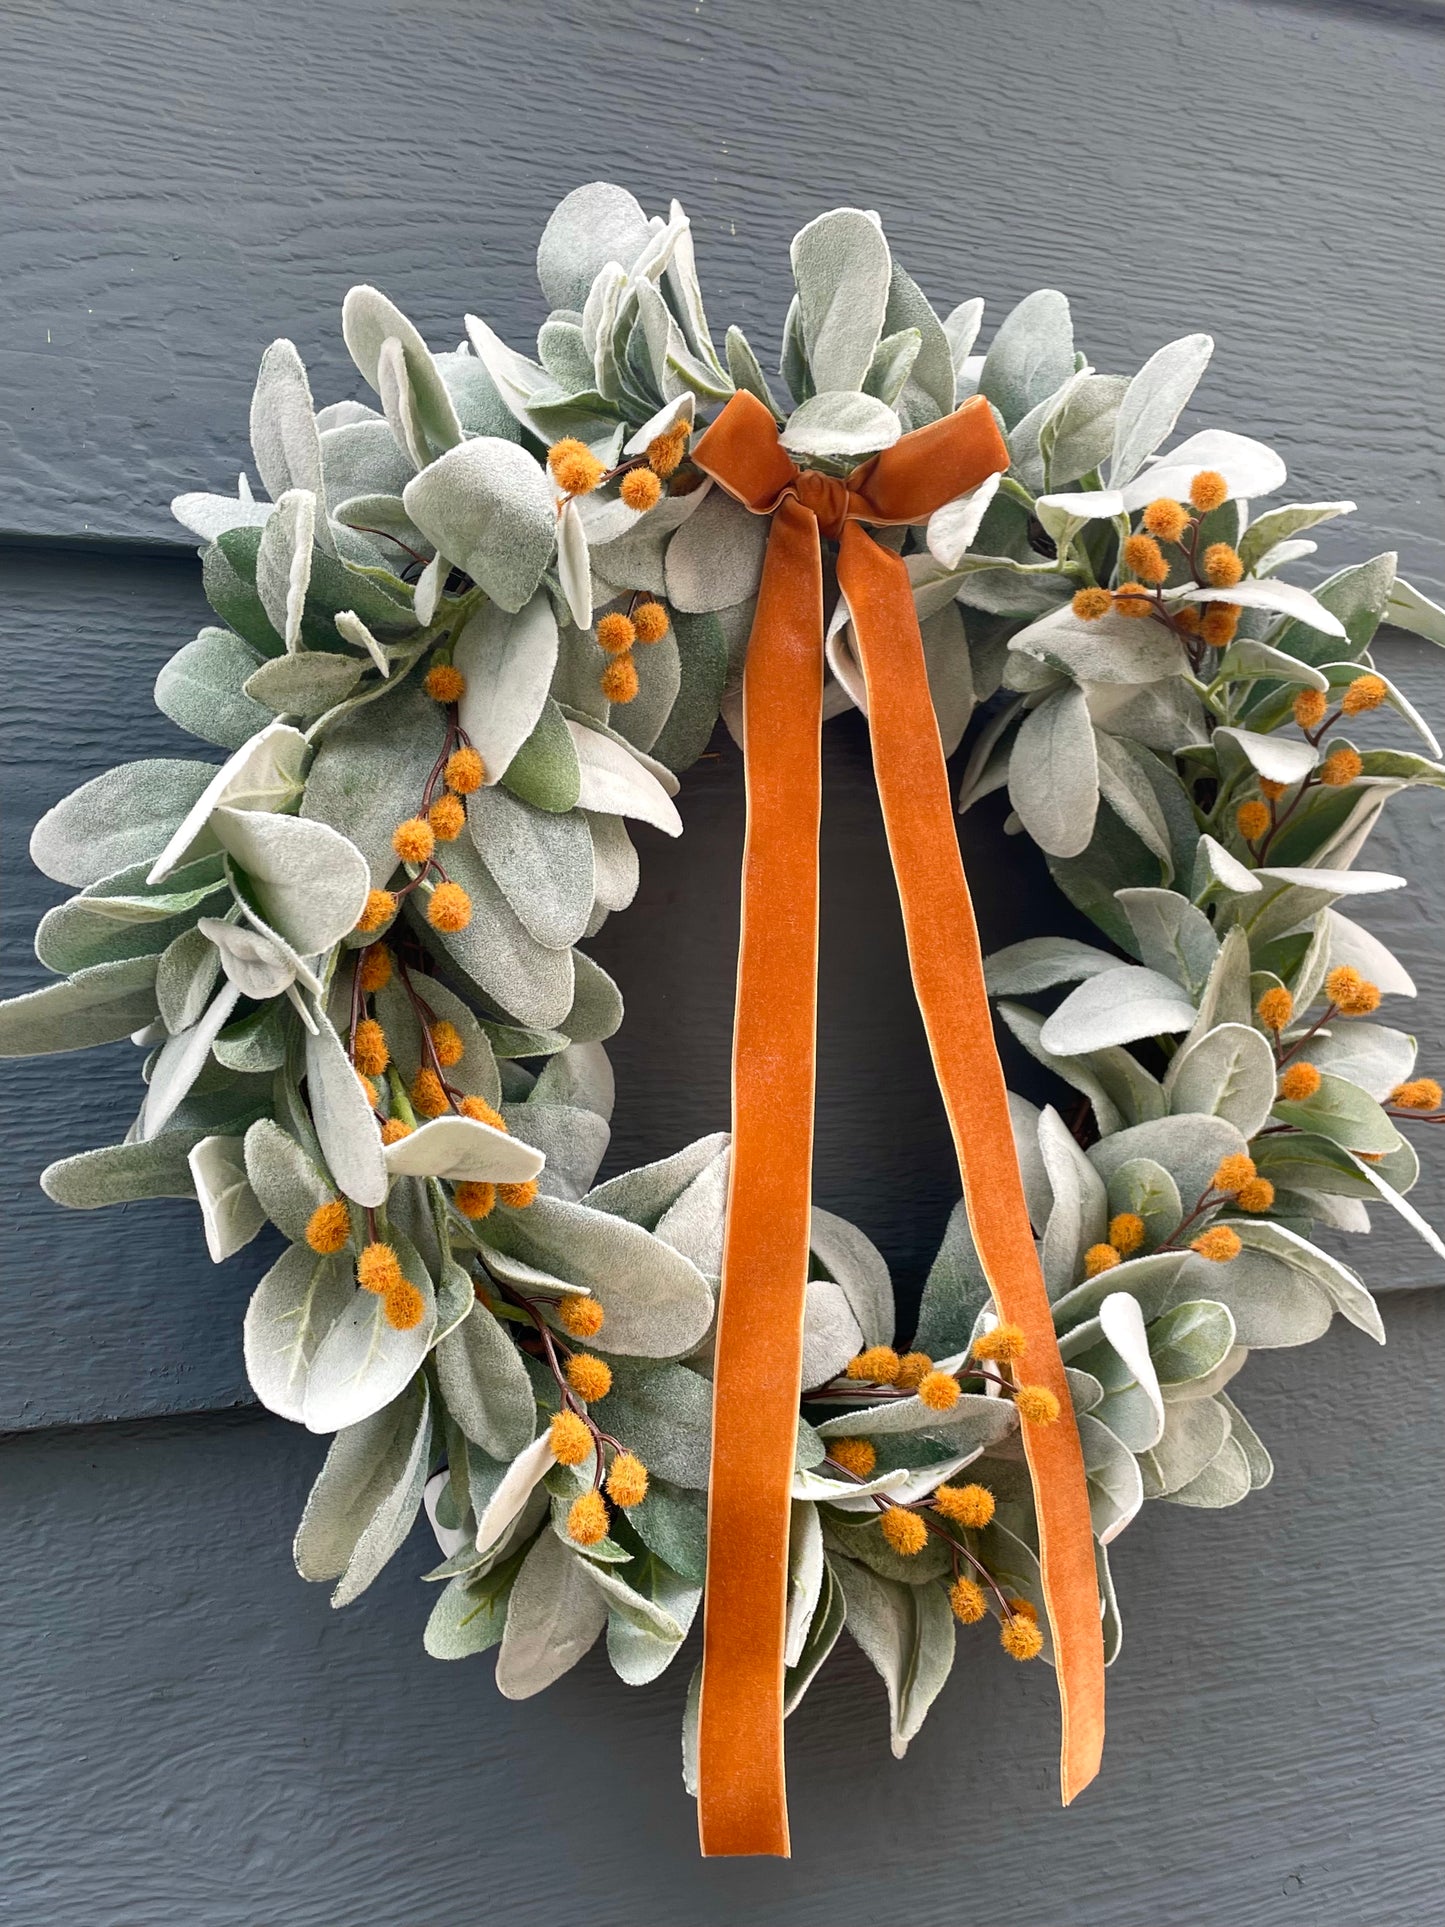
x: 742, y: 1805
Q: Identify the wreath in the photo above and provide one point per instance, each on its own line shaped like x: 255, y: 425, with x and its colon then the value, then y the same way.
x: 487, y: 620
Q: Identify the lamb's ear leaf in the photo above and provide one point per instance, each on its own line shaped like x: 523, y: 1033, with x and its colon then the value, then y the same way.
x: 288, y: 1183
x: 95, y: 1006
x: 906, y: 1632
x: 345, y: 1123
x: 203, y: 689
x: 291, y: 1311
x: 485, y: 1385
x: 554, y: 1617
x: 117, y: 820
x: 124, y: 1173
x: 367, y: 1496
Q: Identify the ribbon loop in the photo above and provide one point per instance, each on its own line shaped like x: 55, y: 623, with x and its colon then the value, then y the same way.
x: 742, y: 1806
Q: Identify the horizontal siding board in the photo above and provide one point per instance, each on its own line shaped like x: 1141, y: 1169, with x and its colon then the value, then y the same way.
x: 236, y: 1752
x: 195, y: 181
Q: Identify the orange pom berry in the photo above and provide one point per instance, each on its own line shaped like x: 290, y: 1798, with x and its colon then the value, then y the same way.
x: 444, y: 684
x: 1099, y: 1258
x: 373, y: 1096
x: 641, y: 490
x: 446, y: 1041
x: 1365, y: 692
x: 403, y: 1306
x: 518, y: 1196
x: 394, y: 1129
x: 580, y: 1317
x: 966, y: 1505
x: 1354, y: 995
x: 1420, y: 1094
x: 1257, y: 1195
x: 589, y: 1377
x: 465, y: 771
x: 475, y: 1198
x: 1218, y: 1244
x: 570, y: 1438
x: 1221, y: 619
x: 665, y: 451
x: 627, y: 1480
x: 913, y: 1368
x: 1252, y: 820
x: 414, y: 840
x: 1166, y: 519
x: 428, y: 1094
x: 379, y: 908
x: 1036, y: 1404
x: 1299, y: 1083
x: 904, y: 1531
x: 939, y: 1391
x: 1089, y: 604
x: 1145, y: 558
x: 1004, y: 1342
x: 1133, y: 599
x: 1222, y: 565
x: 1309, y: 708
x: 448, y: 817
x: 575, y: 469
x: 1208, y: 490
x: 328, y: 1228
x: 378, y: 1268
x: 375, y: 968
x: 1021, y: 1637
x: 967, y: 1600
x: 616, y: 633
x: 449, y: 907
x: 651, y: 621
x: 858, y: 1456
x: 482, y: 1112
x: 587, y: 1520
x: 878, y: 1365
x: 1126, y: 1232
x: 1275, y: 1008
x: 1270, y: 789
x: 1232, y: 1173
x: 1188, y: 617
x: 369, y: 1050
x: 1340, y: 767
x: 1024, y: 1606
x: 618, y: 681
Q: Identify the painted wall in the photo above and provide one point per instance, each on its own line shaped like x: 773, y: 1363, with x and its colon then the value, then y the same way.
x: 194, y: 1737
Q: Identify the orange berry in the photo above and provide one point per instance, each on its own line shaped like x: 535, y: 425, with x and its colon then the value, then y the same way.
x: 1089, y: 604
x: 518, y: 1196
x: 1145, y: 558
x: 878, y: 1365
x: 449, y: 907
x: 369, y: 1051
x: 1299, y: 1083
x: 375, y: 968
x: 379, y: 908
x: 1020, y: 1637
x: 627, y: 1480
x: 618, y: 681
x: 1251, y: 819
x: 589, y: 1377
x: 1365, y: 692
x: 395, y: 1129
x: 444, y: 684
x: 939, y: 1391
x: 414, y: 840
x: 428, y: 1095
x: 328, y: 1228
x: 446, y: 1041
x: 967, y: 1599
x: 641, y: 490
x: 1100, y: 1258
x: 1352, y: 994
x: 1218, y: 1244
x: 587, y: 1519
x: 904, y: 1531
x: 1221, y: 619
x: 1222, y: 565
x: 858, y: 1456
x: 570, y: 1438
x: 1309, y: 708
x: 448, y: 817
x: 580, y: 1317
x: 575, y: 469
x: 1126, y: 1232
x: 378, y: 1268
x: 1275, y: 1008
x: 1133, y: 599
x: 966, y: 1505
x: 482, y: 1112
x: 1257, y: 1195
x: 1420, y: 1094
x: 475, y: 1198
x: 465, y: 771
x: 1341, y: 767
x: 1036, y: 1404
x: 1166, y: 519
x: 1208, y: 490
x: 403, y: 1306
x: 616, y: 633
x: 651, y: 622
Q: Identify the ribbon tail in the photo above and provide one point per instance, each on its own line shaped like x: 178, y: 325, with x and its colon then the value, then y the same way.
x: 742, y: 1798
x: 947, y: 967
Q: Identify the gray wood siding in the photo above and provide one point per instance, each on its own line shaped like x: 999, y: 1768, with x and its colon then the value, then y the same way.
x: 194, y: 1737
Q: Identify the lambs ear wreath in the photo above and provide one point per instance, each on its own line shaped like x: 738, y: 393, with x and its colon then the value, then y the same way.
x: 481, y: 625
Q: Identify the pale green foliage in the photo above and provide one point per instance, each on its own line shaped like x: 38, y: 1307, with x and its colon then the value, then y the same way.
x: 216, y: 922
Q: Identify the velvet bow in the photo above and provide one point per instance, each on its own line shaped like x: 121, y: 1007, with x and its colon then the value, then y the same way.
x: 742, y: 1805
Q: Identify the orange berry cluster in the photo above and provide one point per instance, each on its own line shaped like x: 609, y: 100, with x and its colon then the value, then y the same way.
x: 616, y: 634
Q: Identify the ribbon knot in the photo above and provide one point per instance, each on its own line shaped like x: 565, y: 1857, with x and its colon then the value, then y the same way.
x: 757, y: 1379
x: 830, y: 500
